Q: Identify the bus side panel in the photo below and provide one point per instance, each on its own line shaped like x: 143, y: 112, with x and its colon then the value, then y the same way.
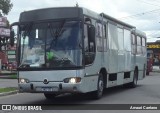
x: 140, y: 61
x: 113, y: 60
x: 127, y: 61
x: 91, y: 73
x: 121, y: 64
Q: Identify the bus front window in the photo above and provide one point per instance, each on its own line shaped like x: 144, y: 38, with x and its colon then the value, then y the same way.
x: 51, y: 44
x: 32, y: 44
x: 62, y: 44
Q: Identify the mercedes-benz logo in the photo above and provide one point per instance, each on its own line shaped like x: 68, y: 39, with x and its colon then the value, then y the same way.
x: 45, y: 81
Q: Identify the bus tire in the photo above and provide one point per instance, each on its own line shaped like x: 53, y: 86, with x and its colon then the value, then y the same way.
x: 100, y: 87
x: 133, y: 84
x: 50, y: 96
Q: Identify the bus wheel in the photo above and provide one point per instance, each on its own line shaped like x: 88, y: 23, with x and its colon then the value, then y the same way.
x: 100, y: 87
x: 133, y: 84
x: 135, y: 79
x: 50, y: 96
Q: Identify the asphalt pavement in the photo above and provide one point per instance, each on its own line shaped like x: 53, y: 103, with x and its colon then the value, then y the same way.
x: 8, y: 83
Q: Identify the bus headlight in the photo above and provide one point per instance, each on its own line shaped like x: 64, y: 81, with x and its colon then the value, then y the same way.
x: 72, y: 80
x: 23, y: 81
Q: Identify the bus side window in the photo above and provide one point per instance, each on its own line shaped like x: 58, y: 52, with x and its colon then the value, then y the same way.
x: 139, y: 45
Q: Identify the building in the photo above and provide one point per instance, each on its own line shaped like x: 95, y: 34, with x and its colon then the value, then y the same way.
x: 155, y: 47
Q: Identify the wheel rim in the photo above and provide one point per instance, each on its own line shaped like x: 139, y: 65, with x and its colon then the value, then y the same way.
x: 100, y: 87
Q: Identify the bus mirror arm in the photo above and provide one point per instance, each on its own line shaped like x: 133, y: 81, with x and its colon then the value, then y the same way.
x: 14, y: 24
x: 12, y: 33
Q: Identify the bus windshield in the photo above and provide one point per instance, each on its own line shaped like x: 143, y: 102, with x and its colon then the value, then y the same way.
x: 51, y: 44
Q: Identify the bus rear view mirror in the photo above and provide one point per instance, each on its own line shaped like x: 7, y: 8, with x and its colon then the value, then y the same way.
x: 12, y: 33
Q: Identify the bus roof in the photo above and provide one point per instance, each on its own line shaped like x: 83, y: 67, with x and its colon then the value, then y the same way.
x: 71, y: 12
x: 139, y: 33
x: 116, y: 20
x: 65, y: 12
x: 50, y: 13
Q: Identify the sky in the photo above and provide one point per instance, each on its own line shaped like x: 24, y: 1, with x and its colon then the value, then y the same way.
x: 143, y: 14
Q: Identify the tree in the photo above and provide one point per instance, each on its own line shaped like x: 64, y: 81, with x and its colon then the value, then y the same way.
x: 5, y: 6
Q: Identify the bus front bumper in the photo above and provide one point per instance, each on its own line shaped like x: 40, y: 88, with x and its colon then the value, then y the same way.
x: 52, y: 87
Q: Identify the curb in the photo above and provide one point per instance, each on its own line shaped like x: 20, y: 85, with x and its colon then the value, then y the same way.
x: 9, y: 93
x: 156, y: 71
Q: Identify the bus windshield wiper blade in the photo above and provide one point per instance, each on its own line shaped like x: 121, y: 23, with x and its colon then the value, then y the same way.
x: 55, y: 34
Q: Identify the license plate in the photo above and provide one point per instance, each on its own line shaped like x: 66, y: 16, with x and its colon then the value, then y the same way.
x: 46, y: 89
x: 50, y: 89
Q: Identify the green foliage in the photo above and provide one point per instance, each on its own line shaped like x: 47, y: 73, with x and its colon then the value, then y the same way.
x: 2, y: 90
x: 5, y: 6
x: 14, y: 76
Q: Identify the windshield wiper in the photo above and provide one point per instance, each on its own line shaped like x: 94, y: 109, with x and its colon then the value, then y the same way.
x: 66, y: 61
x: 24, y: 66
x: 55, y: 34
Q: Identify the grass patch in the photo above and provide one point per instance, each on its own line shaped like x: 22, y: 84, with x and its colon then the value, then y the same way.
x: 14, y: 76
x: 3, y: 90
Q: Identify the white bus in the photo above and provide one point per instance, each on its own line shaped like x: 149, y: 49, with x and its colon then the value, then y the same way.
x: 74, y: 50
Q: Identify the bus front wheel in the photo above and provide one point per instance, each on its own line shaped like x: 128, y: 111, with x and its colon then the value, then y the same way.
x: 100, y: 87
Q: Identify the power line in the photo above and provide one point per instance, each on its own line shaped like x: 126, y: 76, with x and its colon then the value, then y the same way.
x: 148, y: 3
x: 154, y: 33
x: 141, y: 14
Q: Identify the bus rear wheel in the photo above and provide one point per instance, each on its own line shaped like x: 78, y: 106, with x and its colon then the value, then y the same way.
x: 133, y: 84
x: 147, y: 73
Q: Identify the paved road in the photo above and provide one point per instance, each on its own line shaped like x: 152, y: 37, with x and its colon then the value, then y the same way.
x: 8, y: 83
x: 147, y: 92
